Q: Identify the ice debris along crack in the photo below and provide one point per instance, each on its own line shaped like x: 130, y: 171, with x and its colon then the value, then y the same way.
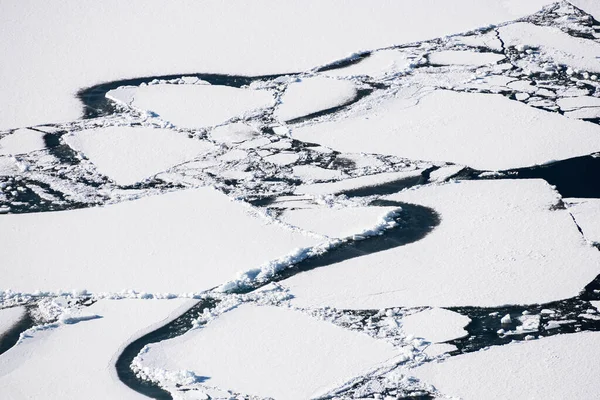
x: 348, y: 179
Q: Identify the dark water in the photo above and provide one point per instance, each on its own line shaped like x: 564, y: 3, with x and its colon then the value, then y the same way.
x: 10, y: 338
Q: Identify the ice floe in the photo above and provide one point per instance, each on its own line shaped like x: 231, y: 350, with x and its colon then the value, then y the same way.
x: 77, y: 360
x: 436, y: 325
x: 180, y: 242
x: 557, y: 367
x: 498, y: 242
x: 22, y: 141
x: 309, y: 357
x: 128, y: 155
x: 441, y: 126
x: 193, y: 106
x: 586, y: 213
x: 471, y: 58
x: 311, y: 95
x: 377, y: 65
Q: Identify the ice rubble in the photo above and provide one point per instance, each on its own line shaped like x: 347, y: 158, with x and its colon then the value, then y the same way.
x: 84, y: 44
x: 77, y: 360
x: 586, y: 213
x: 310, y: 95
x: 436, y: 325
x: 193, y: 106
x: 557, y: 367
x: 181, y: 242
x: 9, y: 317
x: 554, y: 44
x: 128, y: 155
x: 356, y: 183
x: 471, y: 58
x: 499, y: 242
x: 22, y: 141
x: 441, y: 126
x: 308, y: 356
x: 339, y: 222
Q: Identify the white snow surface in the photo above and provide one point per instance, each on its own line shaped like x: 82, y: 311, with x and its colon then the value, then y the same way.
x: 337, y: 222
x: 436, y: 325
x: 193, y: 106
x: 128, y: 155
x: 499, y: 242
x: 556, y: 367
x: 306, y: 355
x: 355, y: 183
x: 471, y: 58
x: 77, y: 360
x: 84, y: 44
x: 561, y: 47
x: 586, y: 213
x: 591, y: 7
x: 180, y: 242
x: 9, y: 317
x: 572, y: 103
x: 596, y: 304
x: 233, y: 133
x: 310, y: 95
x: 442, y: 126
x: 313, y: 173
x: 22, y: 141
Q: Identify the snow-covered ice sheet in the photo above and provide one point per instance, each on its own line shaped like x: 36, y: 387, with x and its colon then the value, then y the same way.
x: 436, y: 325
x: 77, y: 360
x: 9, y: 317
x: 312, y: 173
x: 128, y: 155
x: 22, y: 141
x: 557, y: 367
x: 269, y: 352
x: 443, y: 126
x: 559, y: 46
x: 355, y: 183
x: 472, y: 58
x: 310, y: 95
x: 586, y: 213
x: 498, y: 242
x: 193, y: 106
x: 233, y: 133
x: 181, y: 242
x: 573, y: 103
x: 85, y: 44
x: 337, y: 222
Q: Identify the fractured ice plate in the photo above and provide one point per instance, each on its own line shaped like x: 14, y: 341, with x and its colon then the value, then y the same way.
x: 482, y: 131
x: 499, y: 242
x: 269, y: 352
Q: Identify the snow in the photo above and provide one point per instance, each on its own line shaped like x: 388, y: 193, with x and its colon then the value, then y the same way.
x: 471, y: 58
x: 377, y: 65
x: 310, y: 95
x: 128, y: 155
x: 559, y: 46
x: 436, y: 325
x: 586, y: 213
x: 557, y: 367
x: 306, y: 355
x: 337, y: 222
x: 355, y: 183
x: 499, y: 242
x: 442, y: 126
x: 282, y: 158
x: 180, y: 242
x: 596, y: 304
x: 193, y: 106
x: 77, y: 360
x: 9, y: 317
x: 131, y: 39
x: 444, y: 173
x: 22, y: 141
